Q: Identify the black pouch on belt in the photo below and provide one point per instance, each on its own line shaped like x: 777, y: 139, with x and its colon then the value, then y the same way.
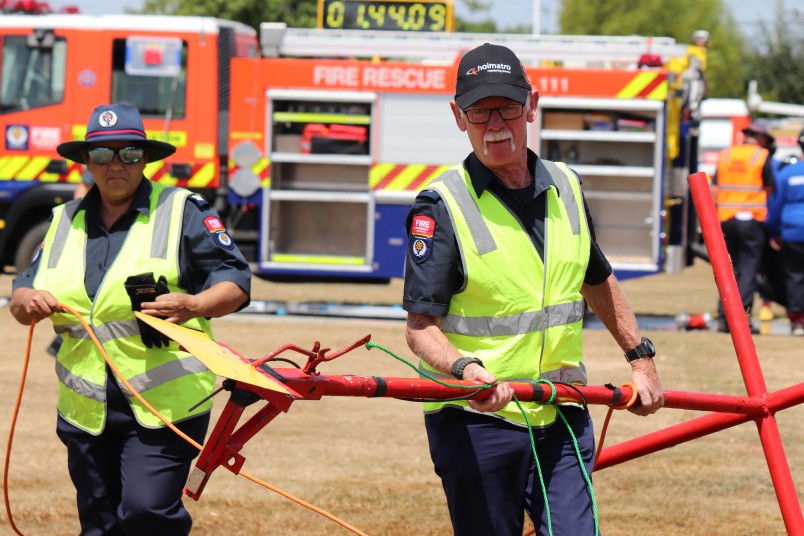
x: 144, y: 288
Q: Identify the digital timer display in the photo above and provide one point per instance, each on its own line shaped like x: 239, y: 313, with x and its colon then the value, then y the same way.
x: 396, y: 15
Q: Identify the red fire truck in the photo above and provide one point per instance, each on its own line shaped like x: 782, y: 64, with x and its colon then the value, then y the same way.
x: 312, y: 143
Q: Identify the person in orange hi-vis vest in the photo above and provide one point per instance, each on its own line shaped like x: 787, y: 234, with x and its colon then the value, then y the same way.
x: 742, y: 182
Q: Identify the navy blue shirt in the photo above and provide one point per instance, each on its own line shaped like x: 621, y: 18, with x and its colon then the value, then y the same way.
x: 432, y: 277
x: 205, y: 257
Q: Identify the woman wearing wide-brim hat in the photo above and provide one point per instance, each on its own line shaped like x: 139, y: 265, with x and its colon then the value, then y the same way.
x: 130, y: 244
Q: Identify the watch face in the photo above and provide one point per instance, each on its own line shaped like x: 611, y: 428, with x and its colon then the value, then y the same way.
x: 645, y: 348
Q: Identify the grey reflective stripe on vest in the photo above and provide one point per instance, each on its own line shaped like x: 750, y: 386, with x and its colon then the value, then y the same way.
x: 484, y: 242
x: 162, y: 223
x: 63, y: 229
x: 567, y: 375
x: 529, y: 322
x: 742, y: 188
x: 172, y: 370
x: 561, y: 375
x: 561, y: 181
x: 755, y: 155
x: 741, y: 205
x: 104, y: 332
x: 79, y: 385
x: 159, y: 242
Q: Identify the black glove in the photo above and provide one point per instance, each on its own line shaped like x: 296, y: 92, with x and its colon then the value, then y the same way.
x: 143, y: 288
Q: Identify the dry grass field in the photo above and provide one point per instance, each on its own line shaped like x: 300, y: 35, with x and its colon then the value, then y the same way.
x: 366, y: 461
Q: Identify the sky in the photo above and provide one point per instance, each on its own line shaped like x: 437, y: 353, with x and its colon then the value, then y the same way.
x: 749, y: 14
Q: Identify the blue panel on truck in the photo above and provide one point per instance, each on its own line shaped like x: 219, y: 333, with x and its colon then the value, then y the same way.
x: 390, y: 240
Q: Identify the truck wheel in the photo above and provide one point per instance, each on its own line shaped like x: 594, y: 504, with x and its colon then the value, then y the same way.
x: 28, y: 246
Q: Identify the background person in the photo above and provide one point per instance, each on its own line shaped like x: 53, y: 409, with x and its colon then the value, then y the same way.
x: 742, y: 182
x: 770, y: 279
x: 501, y: 257
x: 786, y: 224
x: 127, y: 467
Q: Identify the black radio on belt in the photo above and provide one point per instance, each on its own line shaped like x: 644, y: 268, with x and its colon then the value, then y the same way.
x: 144, y: 288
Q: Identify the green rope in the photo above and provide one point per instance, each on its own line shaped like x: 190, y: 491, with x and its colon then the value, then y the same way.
x: 370, y: 345
x: 583, y: 469
x: 424, y: 373
x: 538, y: 465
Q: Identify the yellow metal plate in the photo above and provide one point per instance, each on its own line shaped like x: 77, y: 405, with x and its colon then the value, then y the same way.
x: 219, y: 359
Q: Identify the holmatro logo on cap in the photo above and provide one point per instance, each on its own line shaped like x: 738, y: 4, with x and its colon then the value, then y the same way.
x: 107, y: 119
x: 490, y: 67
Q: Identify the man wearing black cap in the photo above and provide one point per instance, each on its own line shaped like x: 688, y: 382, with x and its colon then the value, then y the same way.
x: 130, y: 245
x: 742, y: 182
x: 501, y: 261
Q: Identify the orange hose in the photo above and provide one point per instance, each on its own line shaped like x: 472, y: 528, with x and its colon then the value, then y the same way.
x: 13, y: 425
x: 626, y: 405
x: 152, y: 410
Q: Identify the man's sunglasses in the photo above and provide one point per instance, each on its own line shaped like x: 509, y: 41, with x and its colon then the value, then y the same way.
x: 127, y: 155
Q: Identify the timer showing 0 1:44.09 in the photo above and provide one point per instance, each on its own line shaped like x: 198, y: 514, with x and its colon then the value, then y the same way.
x: 395, y: 15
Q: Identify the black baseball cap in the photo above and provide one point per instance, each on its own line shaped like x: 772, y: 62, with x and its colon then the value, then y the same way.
x: 490, y: 71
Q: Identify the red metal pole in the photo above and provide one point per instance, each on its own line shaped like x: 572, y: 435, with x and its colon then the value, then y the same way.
x: 727, y: 285
x: 746, y: 352
x: 699, y: 427
x: 315, y: 386
x: 714, y: 402
x: 668, y: 437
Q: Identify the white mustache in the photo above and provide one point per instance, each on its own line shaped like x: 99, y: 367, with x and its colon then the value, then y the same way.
x: 497, y: 135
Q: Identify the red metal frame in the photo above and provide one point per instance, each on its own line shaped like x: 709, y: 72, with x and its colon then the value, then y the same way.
x: 226, y: 441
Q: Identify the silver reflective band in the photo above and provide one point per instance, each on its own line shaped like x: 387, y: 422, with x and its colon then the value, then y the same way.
x: 566, y: 194
x: 567, y: 375
x: 104, y: 332
x: 741, y: 205
x: 79, y: 385
x: 741, y: 188
x: 484, y: 242
x: 63, y: 229
x: 162, y: 223
x: 172, y: 370
x: 520, y: 324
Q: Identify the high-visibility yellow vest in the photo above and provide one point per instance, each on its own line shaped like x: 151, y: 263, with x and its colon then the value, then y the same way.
x: 170, y: 380
x: 739, y: 182
x: 521, y: 316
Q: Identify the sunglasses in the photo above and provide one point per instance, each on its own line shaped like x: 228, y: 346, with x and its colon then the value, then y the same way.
x: 127, y: 155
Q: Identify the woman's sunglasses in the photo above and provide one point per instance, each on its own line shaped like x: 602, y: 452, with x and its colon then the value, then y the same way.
x: 127, y: 155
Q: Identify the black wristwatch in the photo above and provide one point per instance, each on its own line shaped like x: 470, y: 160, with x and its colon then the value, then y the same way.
x: 462, y: 363
x: 644, y: 349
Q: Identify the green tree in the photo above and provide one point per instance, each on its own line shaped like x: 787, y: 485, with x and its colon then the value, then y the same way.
x: 296, y: 13
x: 486, y: 25
x: 726, y: 71
x: 778, y: 63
